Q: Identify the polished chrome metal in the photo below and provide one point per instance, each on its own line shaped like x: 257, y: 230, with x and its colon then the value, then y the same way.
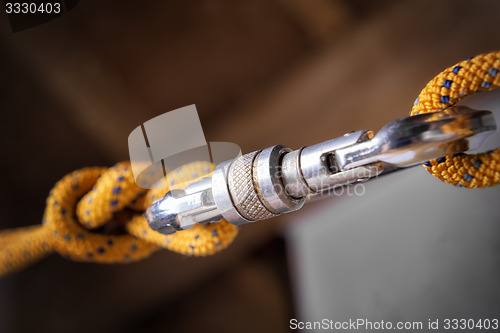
x: 267, y: 174
x: 412, y: 140
x: 267, y: 183
x: 313, y: 169
x: 181, y: 209
x: 292, y: 177
x: 222, y: 197
x: 243, y: 190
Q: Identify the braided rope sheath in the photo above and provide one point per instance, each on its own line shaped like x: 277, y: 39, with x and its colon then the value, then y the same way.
x: 86, y: 201
x: 96, y: 198
x: 480, y: 73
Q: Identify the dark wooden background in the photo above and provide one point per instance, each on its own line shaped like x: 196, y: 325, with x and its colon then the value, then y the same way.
x: 260, y: 73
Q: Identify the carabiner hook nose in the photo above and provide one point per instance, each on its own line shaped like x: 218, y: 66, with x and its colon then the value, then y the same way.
x: 413, y: 140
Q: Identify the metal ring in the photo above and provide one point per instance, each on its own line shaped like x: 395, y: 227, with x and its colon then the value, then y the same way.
x: 243, y: 191
x: 267, y: 180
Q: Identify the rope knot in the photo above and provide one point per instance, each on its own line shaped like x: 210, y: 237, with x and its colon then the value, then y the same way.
x: 96, y: 215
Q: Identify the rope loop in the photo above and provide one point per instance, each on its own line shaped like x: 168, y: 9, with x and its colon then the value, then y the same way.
x: 96, y: 215
x: 480, y: 73
x: 71, y: 239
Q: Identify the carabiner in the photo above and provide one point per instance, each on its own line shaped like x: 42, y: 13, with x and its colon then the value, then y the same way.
x: 277, y: 180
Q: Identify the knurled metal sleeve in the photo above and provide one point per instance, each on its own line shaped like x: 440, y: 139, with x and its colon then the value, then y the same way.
x: 242, y: 189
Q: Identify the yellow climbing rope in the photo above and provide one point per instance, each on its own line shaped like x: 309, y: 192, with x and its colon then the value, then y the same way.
x: 87, y: 200
x: 478, y: 73
x: 85, y: 208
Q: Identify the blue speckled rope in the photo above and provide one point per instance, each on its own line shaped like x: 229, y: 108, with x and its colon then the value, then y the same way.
x: 479, y: 73
x: 87, y: 201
